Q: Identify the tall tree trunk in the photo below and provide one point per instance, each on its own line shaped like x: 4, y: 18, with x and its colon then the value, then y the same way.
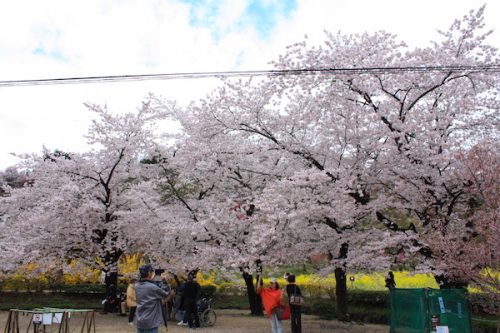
x: 110, y: 258
x: 111, y: 282
x: 341, y: 285
x: 341, y: 293
x: 253, y: 298
x: 111, y: 302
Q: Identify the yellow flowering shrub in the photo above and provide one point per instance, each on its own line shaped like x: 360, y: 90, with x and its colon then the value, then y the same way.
x: 128, y: 266
x: 28, y: 277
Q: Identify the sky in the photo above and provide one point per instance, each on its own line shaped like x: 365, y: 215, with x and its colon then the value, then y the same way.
x: 60, y: 38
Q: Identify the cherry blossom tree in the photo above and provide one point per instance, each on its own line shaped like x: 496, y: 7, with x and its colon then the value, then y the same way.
x: 471, y: 254
x: 86, y: 205
x: 352, y: 150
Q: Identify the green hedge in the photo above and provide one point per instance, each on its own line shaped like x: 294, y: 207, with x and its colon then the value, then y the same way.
x: 30, y: 300
x: 208, y: 291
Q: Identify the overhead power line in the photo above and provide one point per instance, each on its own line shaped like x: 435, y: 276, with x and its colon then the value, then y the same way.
x: 284, y: 72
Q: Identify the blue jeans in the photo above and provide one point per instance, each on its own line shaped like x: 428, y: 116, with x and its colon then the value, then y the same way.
x: 276, y: 323
x: 149, y: 330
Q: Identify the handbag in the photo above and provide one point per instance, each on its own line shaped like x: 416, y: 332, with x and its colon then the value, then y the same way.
x: 283, y: 312
x: 296, y: 299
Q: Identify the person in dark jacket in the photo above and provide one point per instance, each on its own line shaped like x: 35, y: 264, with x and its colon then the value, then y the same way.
x: 190, y: 296
x: 295, y: 310
x: 390, y: 282
x: 149, y: 297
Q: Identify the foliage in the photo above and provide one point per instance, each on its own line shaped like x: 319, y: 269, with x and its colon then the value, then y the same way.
x: 129, y: 265
x: 364, y: 160
x: 208, y: 291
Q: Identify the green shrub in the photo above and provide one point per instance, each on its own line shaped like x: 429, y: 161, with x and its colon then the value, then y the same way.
x: 208, y: 291
x: 239, y: 302
x: 231, y: 289
x: 322, y: 308
x: 368, y: 298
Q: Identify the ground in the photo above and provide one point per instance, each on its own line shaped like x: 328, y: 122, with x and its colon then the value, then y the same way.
x: 228, y: 321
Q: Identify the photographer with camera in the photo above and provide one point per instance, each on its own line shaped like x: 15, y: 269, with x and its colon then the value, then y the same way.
x: 151, y: 301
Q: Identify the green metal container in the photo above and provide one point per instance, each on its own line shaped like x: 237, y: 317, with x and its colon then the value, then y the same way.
x: 412, y: 310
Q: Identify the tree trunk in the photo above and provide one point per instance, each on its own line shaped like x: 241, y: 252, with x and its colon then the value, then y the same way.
x: 111, y: 300
x: 341, y: 293
x: 253, y: 298
x: 111, y: 281
x: 341, y: 285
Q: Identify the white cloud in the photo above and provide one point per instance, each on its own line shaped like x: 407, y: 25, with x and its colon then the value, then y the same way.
x: 59, y: 38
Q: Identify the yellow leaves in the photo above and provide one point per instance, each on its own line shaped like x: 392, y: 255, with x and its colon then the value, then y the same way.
x: 78, y: 273
x: 206, y: 279
x: 129, y: 265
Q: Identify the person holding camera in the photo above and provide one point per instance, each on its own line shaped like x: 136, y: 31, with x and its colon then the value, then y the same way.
x: 150, y: 299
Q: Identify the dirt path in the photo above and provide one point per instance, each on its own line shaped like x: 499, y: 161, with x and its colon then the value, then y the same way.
x: 228, y: 321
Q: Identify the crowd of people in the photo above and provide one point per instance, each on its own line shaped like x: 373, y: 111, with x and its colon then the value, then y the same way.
x: 152, y: 302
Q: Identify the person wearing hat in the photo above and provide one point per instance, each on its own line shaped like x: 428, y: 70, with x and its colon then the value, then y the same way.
x: 149, y: 298
x: 271, y: 300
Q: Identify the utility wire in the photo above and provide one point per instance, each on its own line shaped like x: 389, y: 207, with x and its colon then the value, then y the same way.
x: 494, y: 68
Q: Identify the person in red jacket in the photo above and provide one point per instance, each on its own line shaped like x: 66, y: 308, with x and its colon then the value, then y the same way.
x: 271, y: 300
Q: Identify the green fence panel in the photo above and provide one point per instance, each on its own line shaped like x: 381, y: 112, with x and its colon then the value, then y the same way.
x: 413, y: 309
x: 452, y: 308
x: 407, y: 310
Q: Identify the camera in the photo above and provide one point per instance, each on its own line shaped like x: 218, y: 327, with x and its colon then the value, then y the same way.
x: 159, y: 281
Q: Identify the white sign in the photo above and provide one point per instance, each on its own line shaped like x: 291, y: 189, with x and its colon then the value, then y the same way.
x: 57, y: 318
x: 47, y: 319
x: 442, y: 329
x: 441, y: 305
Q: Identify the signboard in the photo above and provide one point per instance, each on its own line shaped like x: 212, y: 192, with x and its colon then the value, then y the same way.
x: 442, y: 329
x: 57, y: 318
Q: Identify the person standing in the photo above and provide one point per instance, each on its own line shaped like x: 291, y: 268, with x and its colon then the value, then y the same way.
x: 271, y: 300
x: 390, y: 282
x: 149, y: 297
x: 293, y: 291
x: 131, y: 301
x: 190, y: 296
